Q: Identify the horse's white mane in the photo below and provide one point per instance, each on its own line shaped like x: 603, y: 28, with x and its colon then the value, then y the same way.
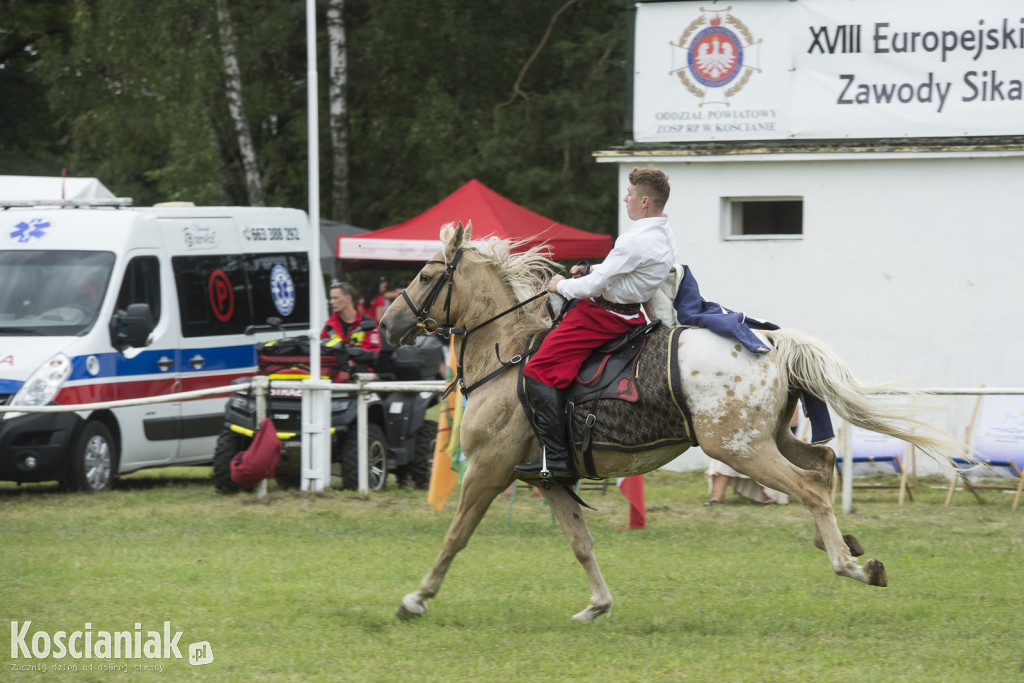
x: 526, y: 272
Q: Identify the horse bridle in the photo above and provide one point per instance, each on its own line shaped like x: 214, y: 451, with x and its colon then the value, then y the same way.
x: 445, y: 331
x: 421, y: 311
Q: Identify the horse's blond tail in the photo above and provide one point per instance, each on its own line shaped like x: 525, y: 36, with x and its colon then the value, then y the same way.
x: 813, y: 366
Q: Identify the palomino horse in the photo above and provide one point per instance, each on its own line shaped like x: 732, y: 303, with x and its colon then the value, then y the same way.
x: 740, y: 404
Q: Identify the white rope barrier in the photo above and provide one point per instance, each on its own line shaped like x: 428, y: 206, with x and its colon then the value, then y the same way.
x: 367, y: 383
x: 975, y: 391
x: 148, y: 400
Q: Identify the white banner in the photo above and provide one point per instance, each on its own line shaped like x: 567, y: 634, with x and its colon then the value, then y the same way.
x: 776, y: 69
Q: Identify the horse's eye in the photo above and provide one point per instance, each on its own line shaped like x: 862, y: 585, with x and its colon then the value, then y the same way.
x: 424, y: 279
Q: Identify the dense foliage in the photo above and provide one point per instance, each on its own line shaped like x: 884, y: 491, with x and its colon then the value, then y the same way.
x: 437, y: 93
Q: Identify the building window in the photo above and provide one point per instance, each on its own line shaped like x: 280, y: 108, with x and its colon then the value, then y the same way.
x: 759, y: 218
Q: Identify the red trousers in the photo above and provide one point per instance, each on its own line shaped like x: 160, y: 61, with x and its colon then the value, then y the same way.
x: 584, y: 328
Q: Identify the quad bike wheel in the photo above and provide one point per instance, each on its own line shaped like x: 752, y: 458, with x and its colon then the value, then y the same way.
x: 229, y: 444
x: 417, y: 472
x: 377, y: 449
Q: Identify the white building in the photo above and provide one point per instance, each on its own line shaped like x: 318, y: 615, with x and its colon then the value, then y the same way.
x: 890, y: 229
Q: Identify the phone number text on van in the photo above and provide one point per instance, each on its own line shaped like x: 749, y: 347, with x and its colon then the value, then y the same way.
x: 271, y: 234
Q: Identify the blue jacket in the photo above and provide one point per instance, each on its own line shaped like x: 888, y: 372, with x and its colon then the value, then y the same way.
x: 694, y: 310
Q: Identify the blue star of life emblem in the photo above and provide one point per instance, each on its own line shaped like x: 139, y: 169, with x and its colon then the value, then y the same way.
x: 27, y: 231
x: 282, y: 289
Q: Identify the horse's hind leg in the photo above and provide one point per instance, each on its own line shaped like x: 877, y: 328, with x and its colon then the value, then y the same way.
x: 822, y: 460
x: 567, y: 512
x: 762, y: 461
x: 476, y: 498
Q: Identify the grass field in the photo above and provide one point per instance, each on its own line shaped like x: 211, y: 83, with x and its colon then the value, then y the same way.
x: 304, y: 587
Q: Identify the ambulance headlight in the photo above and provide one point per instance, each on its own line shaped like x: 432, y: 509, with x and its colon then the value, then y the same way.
x: 44, y: 383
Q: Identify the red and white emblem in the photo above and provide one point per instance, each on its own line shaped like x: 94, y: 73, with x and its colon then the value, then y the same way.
x: 715, y: 56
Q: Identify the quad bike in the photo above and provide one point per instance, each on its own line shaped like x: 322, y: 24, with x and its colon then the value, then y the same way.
x: 400, y: 438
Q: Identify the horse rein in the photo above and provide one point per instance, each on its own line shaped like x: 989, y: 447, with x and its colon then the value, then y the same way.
x: 445, y: 331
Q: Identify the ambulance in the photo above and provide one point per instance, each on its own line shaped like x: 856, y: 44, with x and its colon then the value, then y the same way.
x: 101, y: 302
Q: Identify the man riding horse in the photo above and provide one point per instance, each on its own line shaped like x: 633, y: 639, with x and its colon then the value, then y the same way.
x: 607, y: 304
x: 739, y: 404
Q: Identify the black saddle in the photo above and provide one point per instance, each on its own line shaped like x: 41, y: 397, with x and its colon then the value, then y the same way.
x: 610, y: 372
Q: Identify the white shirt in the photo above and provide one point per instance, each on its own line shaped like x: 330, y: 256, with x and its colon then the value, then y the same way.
x: 636, y: 267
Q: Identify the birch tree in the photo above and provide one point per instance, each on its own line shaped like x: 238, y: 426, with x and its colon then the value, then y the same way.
x: 233, y: 90
x: 337, y: 88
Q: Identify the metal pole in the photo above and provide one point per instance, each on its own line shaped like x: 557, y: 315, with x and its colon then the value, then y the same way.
x: 316, y: 440
x: 846, y: 445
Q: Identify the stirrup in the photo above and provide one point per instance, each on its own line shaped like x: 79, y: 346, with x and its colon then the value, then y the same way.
x: 544, y: 472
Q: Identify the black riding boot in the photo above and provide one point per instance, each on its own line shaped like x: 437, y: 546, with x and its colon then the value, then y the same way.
x: 549, y: 425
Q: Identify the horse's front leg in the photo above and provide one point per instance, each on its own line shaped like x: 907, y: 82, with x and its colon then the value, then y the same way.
x: 567, y: 512
x: 477, y: 496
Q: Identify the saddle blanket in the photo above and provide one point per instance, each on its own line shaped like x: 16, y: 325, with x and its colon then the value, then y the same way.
x: 642, y: 408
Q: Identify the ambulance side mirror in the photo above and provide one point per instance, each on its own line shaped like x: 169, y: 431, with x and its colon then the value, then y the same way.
x: 131, y: 328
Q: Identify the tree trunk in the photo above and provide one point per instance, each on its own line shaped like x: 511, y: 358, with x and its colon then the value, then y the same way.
x: 233, y: 90
x: 340, y: 207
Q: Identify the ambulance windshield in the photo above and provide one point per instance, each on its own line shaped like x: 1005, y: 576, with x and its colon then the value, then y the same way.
x: 52, y: 293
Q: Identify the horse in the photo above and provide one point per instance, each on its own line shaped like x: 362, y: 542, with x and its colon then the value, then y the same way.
x: 490, y: 298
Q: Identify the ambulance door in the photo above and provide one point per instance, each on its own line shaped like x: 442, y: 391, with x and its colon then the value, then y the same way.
x: 149, y: 433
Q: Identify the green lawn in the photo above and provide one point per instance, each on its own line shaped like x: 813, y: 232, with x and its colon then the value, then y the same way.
x: 304, y: 587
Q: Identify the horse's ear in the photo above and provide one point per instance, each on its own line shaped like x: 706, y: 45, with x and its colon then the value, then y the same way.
x: 463, y: 233
x: 460, y: 239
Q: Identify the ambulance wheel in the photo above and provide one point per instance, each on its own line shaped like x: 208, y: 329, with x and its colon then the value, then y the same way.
x: 94, y: 463
x: 419, y: 469
x: 377, y: 458
x: 228, y: 446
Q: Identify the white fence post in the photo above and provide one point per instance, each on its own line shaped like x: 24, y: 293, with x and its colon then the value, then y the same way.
x: 363, y: 425
x: 316, y: 436
x: 322, y: 438
x: 260, y: 389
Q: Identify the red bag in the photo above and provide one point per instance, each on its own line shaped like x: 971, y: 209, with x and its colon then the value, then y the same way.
x: 259, y: 461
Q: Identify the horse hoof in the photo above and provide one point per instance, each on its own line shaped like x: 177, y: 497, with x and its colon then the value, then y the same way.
x: 875, y: 571
x: 854, y: 546
x: 405, y: 614
x: 856, y: 549
x: 410, y: 607
x: 591, y: 613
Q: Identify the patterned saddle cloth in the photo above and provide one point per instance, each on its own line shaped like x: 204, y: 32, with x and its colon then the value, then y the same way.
x: 628, y: 396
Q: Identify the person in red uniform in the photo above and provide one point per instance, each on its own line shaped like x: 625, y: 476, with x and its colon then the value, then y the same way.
x: 346, y: 323
x: 607, y: 304
x: 373, y: 302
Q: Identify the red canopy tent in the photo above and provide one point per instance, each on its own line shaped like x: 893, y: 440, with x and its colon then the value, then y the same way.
x: 416, y: 240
